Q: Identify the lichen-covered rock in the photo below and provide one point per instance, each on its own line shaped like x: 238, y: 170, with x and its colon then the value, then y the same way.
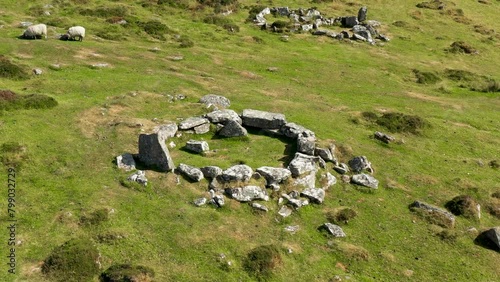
x: 190, y: 172
x: 211, y: 172
x: 333, y: 229
x: 342, y: 168
x: 125, y: 162
x: 285, y: 211
x: 197, y: 146
x: 139, y: 177
x: 292, y: 130
x: 247, y: 193
x: 365, y: 180
x: 383, y: 137
x: 324, y: 153
x: 202, y: 129
x: 232, y: 129
x: 302, y: 164
x: 167, y: 130
x: 200, y: 202
x: 494, y: 235
x: 192, y: 122
x: 306, y: 142
x: 362, y: 14
x: 274, y: 175
x: 153, y: 153
x: 236, y: 173
x: 222, y: 116
x: 434, y: 214
x: 306, y: 180
x: 216, y: 100
x: 359, y: 164
x: 327, y: 180
x: 260, y: 207
x: 317, y: 195
x: 261, y: 119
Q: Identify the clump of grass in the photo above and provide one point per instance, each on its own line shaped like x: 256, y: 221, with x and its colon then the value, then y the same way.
x: 424, y: 77
x: 401, y: 24
x: 353, y: 252
x: 74, y: 261
x: 494, y: 209
x: 460, y: 47
x: 111, y: 32
x: 127, y: 272
x: 280, y: 26
x: 223, y: 22
x: 448, y: 236
x: 460, y: 75
x: 262, y: 261
x: 106, y: 11
x: 132, y: 184
x: 11, y: 70
x: 13, y: 154
x: 185, y: 42
x: 155, y: 28
x: 342, y: 216
x: 11, y: 101
x: 463, y: 205
x: 433, y: 5
x: 109, y: 237
x: 180, y: 4
x: 496, y: 195
x: 434, y: 217
x: 458, y: 15
x: 95, y: 218
x: 399, y: 122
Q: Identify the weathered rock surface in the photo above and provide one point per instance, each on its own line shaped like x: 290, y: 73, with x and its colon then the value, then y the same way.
x: 325, y: 154
x: 302, y: 163
x: 236, y: 173
x: 383, y: 137
x: 328, y: 180
x: 349, y: 22
x: 166, y: 130
x: 359, y: 164
x: 292, y: 130
x: 222, y: 116
x: 316, y: 195
x: 306, y: 142
x: 261, y: 119
x: 274, y: 175
x: 190, y: 172
x: 247, y: 193
x: 292, y: 228
x: 307, y: 180
x: 494, y: 235
x: 365, y: 180
x: 285, y: 211
x: 139, y: 177
x: 125, y: 162
x: 153, y: 152
x: 333, y: 229
x: 260, y: 207
x: 216, y: 199
x: 216, y: 100
x: 211, y: 172
x: 202, y: 129
x: 197, y: 146
x: 434, y: 214
x: 192, y: 122
x: 200, y: 202
x: 232, y: 129
x: 342, y: 168
x: 362, y: 14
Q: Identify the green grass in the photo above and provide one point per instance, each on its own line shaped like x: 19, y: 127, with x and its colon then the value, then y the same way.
x: 66, y: 152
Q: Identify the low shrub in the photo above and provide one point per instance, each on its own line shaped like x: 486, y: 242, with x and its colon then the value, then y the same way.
x: 460, y: 75
x: 494, y: 209
x: 426, y: 77
x: 185, y: 42
x: 127, y: 273
x: 155, y: 28
x: 342, y: 216
x: 95, y: 218
x: 262, y: 261
x: 224, y: 22
x: 11, y: 101
x: 433, y: 5
x: 74, y: 261
x: 371, y: 116
x: 106, y: 11
x: 399, y: 122
x: 11, y: 70
x: 111, y: 32
x: 180, y: 4
x: 448, y: 236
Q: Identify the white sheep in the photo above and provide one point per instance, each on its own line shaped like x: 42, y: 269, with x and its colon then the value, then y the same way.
x: 75, y: 32
x: 33, y: 31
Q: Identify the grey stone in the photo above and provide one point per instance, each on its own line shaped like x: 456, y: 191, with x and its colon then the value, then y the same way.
x: 222, y: 116
x: 282, y: 11
x: 200, y: 202
x: 373, y: 23
x: 202, y: 129
x: 342, y: 168
x: 292, y: 228
x: 383, y: 37
x: 192, y: 122
x: 365, y: 180
x: 216, y: 199
x: 328, y: 179
x: 333, y: 229
x: 260, y: 207
x: 494, y: 235
x: 167, y: 130
x: 261, y: 119
x: 232, y: 129
x: 362, y: 14
x: 236, y: 173
x: 306, y: 27
x: 302, y: 163
x: 274, y: 175
x: 211, y: 172
x: 37, y: 71
x: 125, y: 162
x: 447, y: 219
x: 191, y: 172
x: 324, y: 153
x: 306, y: 142
x: 139, y: 177
x: 358, y: 28
x: 154, y: 153
x: 285, y: 211
x: 306, y: 180
x: 356, y: 36
x: 217, y: 100
x: 349, y: 22
x: 316, y: 195
x: 383, y: 137
x: 358, y: 164
x: 197, y: 146
x: 247, y: 193
x: 365, y: 36
x: 320, y: 32
x: 260, y: 17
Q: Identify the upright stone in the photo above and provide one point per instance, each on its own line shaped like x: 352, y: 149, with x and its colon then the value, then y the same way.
x: 232, y: 129
x: 494, y: 235
x: 261, y: 119
x: 154, y: 153
x: 306, y: 142
x: 362, y: 14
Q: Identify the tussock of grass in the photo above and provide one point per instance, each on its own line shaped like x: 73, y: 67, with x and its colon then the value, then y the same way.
x: 74, y: 261
x: 461, y: 47
x: 223, y: 22
x: 262, y: 261
x: 433, y: 5
x: 95, y: 218
x: 11, y: 101
x: 13, y: 154
x: 127, y: 272
x: 156, y: 29
x: 426, y: 77
x: 352, y: 251
x: 463, y: 205
x: 399, y: 122
x: 11, y: 70
x: 342, y: 216
x: 448, y: 236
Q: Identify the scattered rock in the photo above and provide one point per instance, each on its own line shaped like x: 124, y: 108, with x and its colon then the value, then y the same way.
x: 139, y: 177
x: 292, y: 130
x: 218, y: 101
x: 125, y: 162
x: 37, y: 71
x: 383, y: 137
x: 216, y: 199
x: 166, y: 130
x: 261, y: 119
x: 260, y: 207
x: 494, y: 235
x: 232, y: 129
x: 325, y: 154
x: 302, y: 164
x: 306, y: 180
x: 316, y: 195
x: 285, y: 211
x: 247, y: 193
x: 328, y: 180
x: 211, y: 172
x: 365, y: 180
x: 359, y: 164
x: 333, y: 229
x: 192, y: 122
x: 274, y: 175
x: 349, y: 22
x: 306, y: 142
x: 272, y: 69
x: 154, y: 153
x: 200, y: 202
x: 342, y: 168
x: 191, y: 172
x: 100, y: 65
x: 236, y: 173
x: 292, y: 228
x: 202, y: 129
x: 222, y: 116
x: 434, y: 214
x: 197, y: 146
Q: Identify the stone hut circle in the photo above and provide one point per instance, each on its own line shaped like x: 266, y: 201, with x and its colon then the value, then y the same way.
x: 238, y: 182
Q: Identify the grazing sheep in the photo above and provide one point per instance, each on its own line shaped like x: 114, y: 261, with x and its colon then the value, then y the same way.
x: 34, y: 31
x: 76, y: 32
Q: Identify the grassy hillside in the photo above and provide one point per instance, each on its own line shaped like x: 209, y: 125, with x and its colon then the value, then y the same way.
x: 64, y: 155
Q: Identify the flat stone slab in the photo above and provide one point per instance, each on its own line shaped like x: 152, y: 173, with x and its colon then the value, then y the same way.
x: 190, y: 172
x: 333, y: 229
x: 292, y: 130
x: 222, y: 116
x: 365, y: 180
x: 236, y: 173
x: 232, y: 129
x: 434, y: 214
x: 316, y: 195
x: 216, y: 100
x: 167, y: 130
x: 247, y: 193
x: 211, y: 172
x: 274, y: 175
x: 261, y: 119
x: 197, y: 146
x: 192, y: 122
x: 285, y: 211
x: 302, y: 163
